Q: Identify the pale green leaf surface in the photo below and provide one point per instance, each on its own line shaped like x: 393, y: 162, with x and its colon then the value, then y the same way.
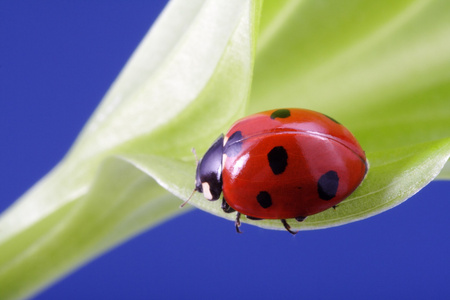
x: 121, y: 202
x: 159, y: 106
x: 445, y: 172
x: 390, y: 86
x: 336, y: 61
x: 332, y: 56
x: 381, y: 68
x: 394, y: 176
x: 227, y: 79
x: 182, y: 73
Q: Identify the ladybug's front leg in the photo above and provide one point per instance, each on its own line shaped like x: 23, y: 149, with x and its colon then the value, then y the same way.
x: 226, y: 207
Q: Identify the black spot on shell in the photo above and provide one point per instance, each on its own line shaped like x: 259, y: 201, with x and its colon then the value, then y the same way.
x: 277, y: 159
x: 234, y: 144
x: 281, y: 113
x: 332, y: 119
x: 327, y: 185
x: 264, y: 199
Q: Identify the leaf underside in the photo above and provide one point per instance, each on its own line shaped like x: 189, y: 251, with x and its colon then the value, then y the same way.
x: 393, y: 176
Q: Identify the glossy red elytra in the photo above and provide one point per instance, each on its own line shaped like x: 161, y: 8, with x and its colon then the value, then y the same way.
x: 282, y: 164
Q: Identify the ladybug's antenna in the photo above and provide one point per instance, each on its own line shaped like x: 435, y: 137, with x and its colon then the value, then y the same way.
x: 185, y: 202
x: 195, y: 154
x: 193, y: 192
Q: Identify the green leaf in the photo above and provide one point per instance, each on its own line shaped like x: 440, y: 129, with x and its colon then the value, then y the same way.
x: 351, y: 56
x: 384, y: 74
x: 445, y: 172
x: 394, y: 176
x: 169, y: 83
x: 121, y: 202
x: 195, y: 64
x: 381, y: 68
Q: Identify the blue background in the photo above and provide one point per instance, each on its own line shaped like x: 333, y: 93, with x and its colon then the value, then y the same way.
x: 56, y: 62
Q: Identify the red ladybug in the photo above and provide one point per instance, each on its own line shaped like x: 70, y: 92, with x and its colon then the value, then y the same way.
x: 282, y: 164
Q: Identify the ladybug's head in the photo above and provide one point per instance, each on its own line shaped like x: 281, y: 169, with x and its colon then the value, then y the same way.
x: 208, y: 179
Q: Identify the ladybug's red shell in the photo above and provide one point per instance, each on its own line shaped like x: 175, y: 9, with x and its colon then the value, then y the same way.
x: 289, y: 163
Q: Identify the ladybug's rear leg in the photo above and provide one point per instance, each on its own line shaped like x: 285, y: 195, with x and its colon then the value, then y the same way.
x: 238, y: 222
x: 288, y: 227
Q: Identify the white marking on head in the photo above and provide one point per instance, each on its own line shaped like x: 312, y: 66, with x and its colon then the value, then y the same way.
x: 206, y: 191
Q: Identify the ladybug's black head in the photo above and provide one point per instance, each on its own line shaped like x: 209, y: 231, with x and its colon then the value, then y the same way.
x: 208, y: 179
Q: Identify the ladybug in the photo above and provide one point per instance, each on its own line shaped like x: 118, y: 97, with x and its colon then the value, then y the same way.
x: 282, y: 164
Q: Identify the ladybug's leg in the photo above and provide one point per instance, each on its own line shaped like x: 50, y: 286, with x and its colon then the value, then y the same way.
x: 253, y: 218
x: 288, y: 227
x: 238, y: 222
x: 300, y: 219
x: 225, y: 207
